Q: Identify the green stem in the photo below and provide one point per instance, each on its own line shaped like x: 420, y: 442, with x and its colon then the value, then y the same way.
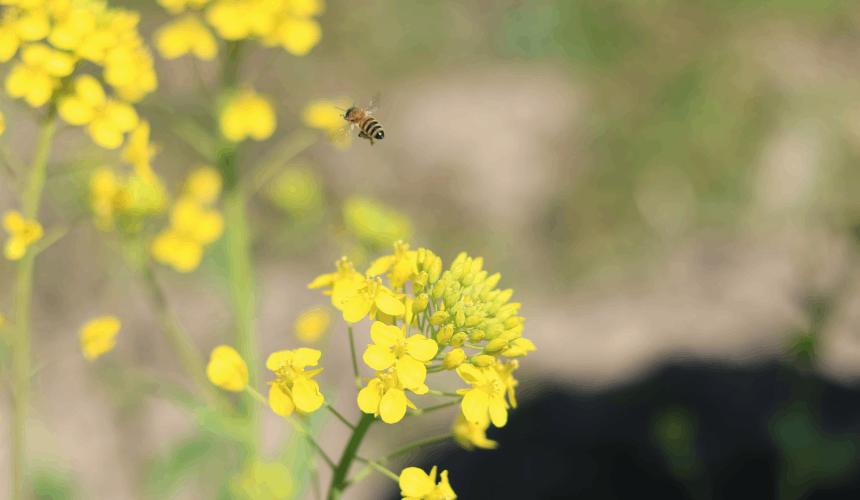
x: 354, y: 360
x: 391, y: 456
x: 30, y: 201
x: 339, y: 416
x: 182, y: 346
x: 338, y: 480
x: 432, y: 408
x: 380, y: 468
x: 440, y: 393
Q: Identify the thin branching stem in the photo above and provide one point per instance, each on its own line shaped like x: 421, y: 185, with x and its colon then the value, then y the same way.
x: 391, y: 456
x: 354, y: 359
x: 432, y: 408
x: 339, y: 416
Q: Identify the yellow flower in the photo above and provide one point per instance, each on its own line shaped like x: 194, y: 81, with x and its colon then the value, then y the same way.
x: 138, y: 151
x: 346, y: 278
x: 9, y: 39
x: 407, y: 355
x: 71, y: 32
x: 22, y: 234
x: 203, y: 185
x: 107, y: 119
x: 186, y: 35
x: 385, y: 396
x: 472, y: 434
x: 265, y: 481
x: 294, y: 387
x: 506, y: 377
x: 487, y: 393
x: 178, y: 250
x: 39, y: 73
x: 98, y: 336
x: 298, y: 35
x: 33, y: 24
x: 227, y: 369
x: 403, y: 265
x: 360, y: 300
x: 204, y: 226
x: 312, y: 324
x: 129, y: 70
x: 296, y: 190
x: 105, y: 197
x: 177, y: 6
x: 415, y: 484
x: 248, y: 114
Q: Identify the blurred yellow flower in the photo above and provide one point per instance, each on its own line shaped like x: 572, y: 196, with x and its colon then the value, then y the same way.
x: 22, y: 234
x: 385, y: 396
x: 178, y: 250
x: 98, y: 336
x: 178, y: 6
x: 248, y: 114
x: 107, y: 119
x: 203, y: 185
x: 472, y: 434
x: 227, y: 369
x: 73, y: 29
x: 39, y: 73
x: 266, y: 481
x: 298, y: 35
x: 312, y: 324
x: 296, y: 190
x: 138, y: 151
x: 294, y: 387
x: 111, y: 195
x: 324, y: 114
x: 33, y: 23
x: 186, y: 35
x: 415, y: 484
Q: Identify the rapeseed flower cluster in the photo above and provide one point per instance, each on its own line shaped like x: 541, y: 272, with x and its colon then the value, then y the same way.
x: 53, y: 38
x: 286, y: 23
x: 458, y: 308
x: 294, y: 387
x: 415, y: 484
x: 128, y: 197
x: 193, y: 223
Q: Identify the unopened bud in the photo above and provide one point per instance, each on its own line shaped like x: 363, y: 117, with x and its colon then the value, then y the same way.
x: 454, y: 359
x: 467, y: 266
x: 468, y: 279
x: 495, y: 346
x: 491, y: 296
x: 505, y: 296
x: 458, y: 339
x: 438, y: 290
x: 451, y: 298
x: 471, y: 321
x: 420, y: 256
x: 419, y: 283
x: 514, y: 352
x: 513, y: 322
x: 483, y: 360
x: 480, y: 277
x: 457, y: 271
x: 493, y: 331
x: 511, y: 335
x: 459, y: 260
x: 434, y: 270
x: 476, y: 336
x: 492, y: 281
x: 444, y: 335
x: 438, y: 318
x: 477, y: 265
x: 420, y: 303
x: 460, y: 319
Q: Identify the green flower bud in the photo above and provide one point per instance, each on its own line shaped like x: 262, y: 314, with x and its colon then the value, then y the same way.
x: 495, y: 346
x: 513, y: 321
x: 480, y: 277
x: 477, y: 265
x: 438, y: 318
x: 450, y: 299
x: 455, y: 308
x: 444, y: 335
x: 457, y: 271
x: 460, y: 318
x: 512, y: 306
x: 492, y: 281
x: 511, y: 335
x: 434, y: 270
x: 458, y: 339
x: 493, y: 332
x: 505, y: 296
x: 469, y: 278
x: 467, y: 266
x: 514, y: 351
x: 491, y: 296
x: 471, y: 321
x: 438, y: 290
x: 466, y: 291
x: 419, y: 283
x: 483, y: 360
x: 459, y: 260
x: 476, y: 336
x: 454, y: 359
x: 422, y: 254
x: 420, y: 303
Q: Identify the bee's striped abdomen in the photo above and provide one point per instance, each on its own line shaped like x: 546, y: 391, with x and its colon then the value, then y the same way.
x: 372, y: 128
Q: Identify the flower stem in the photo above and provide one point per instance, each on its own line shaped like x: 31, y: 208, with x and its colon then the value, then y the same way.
x: 339, y: 416
x: 338, y: 480
x: 380, y: 468
x: 354, y: 360
x: 391, y: 456
x: 24, y: 287
x: 432, y: 408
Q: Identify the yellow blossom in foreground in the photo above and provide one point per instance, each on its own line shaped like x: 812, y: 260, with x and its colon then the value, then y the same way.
x: 360, y: 300
x: 403, y: 265
x: 227, y: 369
x: 346, y: 278
x: 472, y: 434
x: 415, y: 484
x: 248, y: 114
x: 312, y: 324
x: 385, y: 396
x: 98, y: 336
x: 392, y: 348
x: 186, y: 35
x: 487, y: 394
x: 22, y: 234
x: 294, y: 387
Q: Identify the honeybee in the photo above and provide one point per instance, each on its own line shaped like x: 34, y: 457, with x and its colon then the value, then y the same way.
x: 370, y: 128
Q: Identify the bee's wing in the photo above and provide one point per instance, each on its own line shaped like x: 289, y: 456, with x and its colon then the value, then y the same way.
x: 340, y: 133
x: 374, y: 104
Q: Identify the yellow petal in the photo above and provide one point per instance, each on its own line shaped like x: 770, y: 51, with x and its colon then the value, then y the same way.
x: 421, y: 348
x: 412, y: 373
x: 276, y: 359
x: 378, y: 357
x: 471, y: 374
x: 380, y: 265
x: 385, y: 335
x: 209, y: 227
x: 370, y: 396
x: 227, y: 369
x: 475, y: 405
x: 306, y: 357
x: 280, y: 400
x: 392, y: 407
x: 300, y: 35
x: 498, y: 412
x: 97, y: 336
x: 14, y: 248
x: 414, y: 482
x: 306, y: 394
x: 356, y: 308
x: 323, y: 280
x: 387, y: 303
x: 13, y: 222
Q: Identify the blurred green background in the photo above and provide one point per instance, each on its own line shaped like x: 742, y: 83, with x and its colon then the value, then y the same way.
x: 658, y: 180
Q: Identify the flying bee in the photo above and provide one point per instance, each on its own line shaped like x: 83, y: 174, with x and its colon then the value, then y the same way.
x: 370, y: 128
